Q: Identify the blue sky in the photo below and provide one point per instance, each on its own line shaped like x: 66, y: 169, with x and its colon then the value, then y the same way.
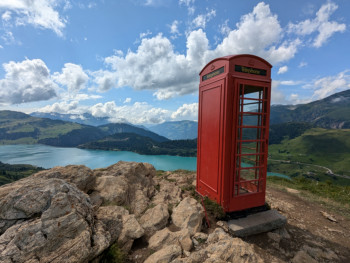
x: 138, y: 61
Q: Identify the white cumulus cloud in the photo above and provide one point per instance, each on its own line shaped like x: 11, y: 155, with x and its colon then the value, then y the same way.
x: 127, y: 100
x: 137, y: 113
x: 259, y: 33
x: 189, y: 4
x: 104, y: 79
x: 61, y: 107
x: 174, y: 29
x: 319, y: 24
x: 186, y: 112
x: 327, y: 86
x: 26, y: 81
x: 73, y: 77
x: 6, y: 16
x: 155, y: 65
x: 40, y: 13
x: 282, y: 70
x: 202, y: 20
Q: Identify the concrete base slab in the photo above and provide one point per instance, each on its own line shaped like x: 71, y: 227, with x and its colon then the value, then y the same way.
x: 256, y: 223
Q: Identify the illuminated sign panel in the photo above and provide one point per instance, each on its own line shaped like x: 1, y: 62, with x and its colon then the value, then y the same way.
x: 214, y: 73
x: 249, y: 70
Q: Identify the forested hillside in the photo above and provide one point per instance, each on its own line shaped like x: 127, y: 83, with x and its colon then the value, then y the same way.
x: 10, y: 173
x: 143, y: 145
x: 114, y: 128
x: 20, y: 128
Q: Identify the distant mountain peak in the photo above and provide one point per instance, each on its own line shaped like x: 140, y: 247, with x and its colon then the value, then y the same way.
x: 176, y: 130
x: 330, y: 112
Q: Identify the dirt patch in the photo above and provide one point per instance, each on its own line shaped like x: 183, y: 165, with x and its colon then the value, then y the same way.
x: 308, y: 230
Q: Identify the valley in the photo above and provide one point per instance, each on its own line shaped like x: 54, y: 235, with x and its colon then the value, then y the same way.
x: 304, y: 140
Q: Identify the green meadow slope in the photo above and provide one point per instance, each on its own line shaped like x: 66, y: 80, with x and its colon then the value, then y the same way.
x: 20, y: 128
x: 318, y: 146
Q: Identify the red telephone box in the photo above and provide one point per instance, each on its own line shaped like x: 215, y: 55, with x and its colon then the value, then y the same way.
x: 233, y: 131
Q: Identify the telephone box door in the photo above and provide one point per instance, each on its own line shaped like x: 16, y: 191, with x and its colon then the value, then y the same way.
x: 250, y: 160
x: 210, y: 127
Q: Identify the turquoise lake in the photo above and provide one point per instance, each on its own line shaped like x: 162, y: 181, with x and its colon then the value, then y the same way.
x: 49, y: 156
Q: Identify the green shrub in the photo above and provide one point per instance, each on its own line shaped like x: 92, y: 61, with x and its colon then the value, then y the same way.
x: 114, y: 254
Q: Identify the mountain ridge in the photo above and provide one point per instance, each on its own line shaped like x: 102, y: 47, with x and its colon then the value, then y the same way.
x: 21, y: 128
x: 331, y: 112
x: 176, y: 130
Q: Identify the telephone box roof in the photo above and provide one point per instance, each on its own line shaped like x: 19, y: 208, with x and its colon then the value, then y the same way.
x: 231, y: 57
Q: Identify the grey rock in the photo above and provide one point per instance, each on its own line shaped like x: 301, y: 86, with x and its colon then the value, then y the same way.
x: 79, y: 175
x: 169, y: 193
x: 166, y: 254
x: 303, y: 257
x: 199, y: 238
x: 188, y: 214
x: 127, y: 184
x: 162, y: 238
x: 223, y: 247
x: 154, y: 219
x: 112, y: 219
x: 47, y: 220
x: 165, y: 237
x: 131, y: 230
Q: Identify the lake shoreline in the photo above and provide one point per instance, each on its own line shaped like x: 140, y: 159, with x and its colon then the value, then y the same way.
x: 46, y: 156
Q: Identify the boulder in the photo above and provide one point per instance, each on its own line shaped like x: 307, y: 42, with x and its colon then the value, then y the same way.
x: 162, y: 238
x: 154, y: 219
x: 139, y: 173
x: 112, y: 219
x: 182, y: 178
x: 113, y: 190
x: 79, y: 175
x: 46, y: 220
x: 165, y: 237
x: 303, y: 257
x: 224, y: 248
x: 131, y: 230
x: 188, y: 214
x: 221, y: 247
x: 165, y: 255
x: 185, y: 240
x: 169, y: 193
x: 127, y: 184
x: 138, y: 201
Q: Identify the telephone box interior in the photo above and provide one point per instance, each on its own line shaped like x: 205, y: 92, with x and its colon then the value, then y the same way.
x: 233, y: 131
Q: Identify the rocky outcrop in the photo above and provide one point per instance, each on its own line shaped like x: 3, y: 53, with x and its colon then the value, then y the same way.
x: 224, y: 247
x: 75, y: 214
x: 49, y: 217
x: 46, y: 220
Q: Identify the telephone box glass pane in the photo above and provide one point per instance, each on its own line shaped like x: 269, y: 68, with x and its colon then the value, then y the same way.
x: 250, y: 139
